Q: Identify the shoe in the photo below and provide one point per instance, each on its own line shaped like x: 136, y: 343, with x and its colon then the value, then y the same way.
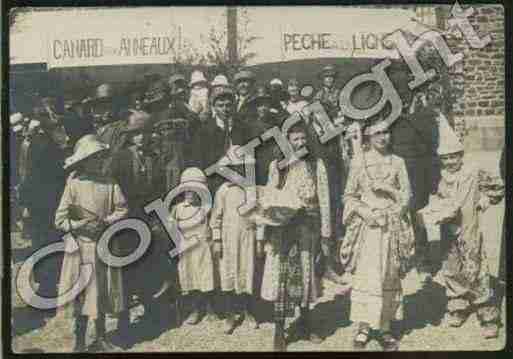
x: 315, y: 338
x: 194, y: 318
x: 102, y: 345
x: 80, y: 335
x: 280, y: 342
x: 251, y: 320
x: 456, y: 319
x: 229, y: 325
x: 490, y: 330
x: 211, y: 317
x: 360, y: 340
x: 389, y: 343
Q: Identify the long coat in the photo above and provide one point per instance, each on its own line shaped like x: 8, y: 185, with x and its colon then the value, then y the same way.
x: 267, y: 151
x: 42, y: 189
x: 104, y: 292
x: 141, y: 181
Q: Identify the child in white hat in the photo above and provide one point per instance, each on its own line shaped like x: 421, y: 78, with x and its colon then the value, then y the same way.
x: 456, y: 207
x: 199, y: 93
x: 89, y: 204
x: 195, y: 267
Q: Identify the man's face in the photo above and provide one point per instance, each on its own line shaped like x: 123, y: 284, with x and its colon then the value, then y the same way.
x: 102, y: 112
x: 179, y: 90
x: 262, y: 108
x: 297, y: 140
x: 224, y: 108
x: 137, y: 139
x: 452, y: 162
x: 328, y: 81
x: 243, y: 87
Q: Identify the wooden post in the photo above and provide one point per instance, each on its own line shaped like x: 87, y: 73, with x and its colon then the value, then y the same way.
x: 231, y: 28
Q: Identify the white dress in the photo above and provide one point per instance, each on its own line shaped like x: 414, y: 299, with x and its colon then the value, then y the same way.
x: 238, y: 236
x: 195, y: 266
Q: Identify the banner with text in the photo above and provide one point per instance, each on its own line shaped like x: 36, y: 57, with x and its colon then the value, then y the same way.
x: 316, y: 32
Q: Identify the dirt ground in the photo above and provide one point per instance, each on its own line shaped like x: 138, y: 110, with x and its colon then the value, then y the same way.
x: 424, y: 327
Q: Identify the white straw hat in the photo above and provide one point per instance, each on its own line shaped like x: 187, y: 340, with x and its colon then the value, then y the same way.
x: 220, y: 80
x: 87, y: 147
x: 196, y: 77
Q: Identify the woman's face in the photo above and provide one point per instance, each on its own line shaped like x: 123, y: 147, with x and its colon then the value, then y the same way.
x: 380, y: 140
x: 262, y: 109
x: 293, y: 90
x: 452, y: 162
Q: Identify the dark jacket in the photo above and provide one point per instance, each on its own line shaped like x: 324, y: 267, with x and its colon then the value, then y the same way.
x: 268, y: 150
x: 415, y: 138
x: 43, y: 188
x: 139, y: 184
x: 210, y: 144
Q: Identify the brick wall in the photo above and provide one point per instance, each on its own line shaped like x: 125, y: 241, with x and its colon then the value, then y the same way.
x: 479, y: 113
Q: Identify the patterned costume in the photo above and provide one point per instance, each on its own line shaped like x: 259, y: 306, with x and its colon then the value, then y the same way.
x: 377, y: 254
x: 290, y: 277
x: 465, y: 272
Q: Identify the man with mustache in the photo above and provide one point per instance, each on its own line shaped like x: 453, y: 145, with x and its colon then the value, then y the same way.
x: 244, y: 83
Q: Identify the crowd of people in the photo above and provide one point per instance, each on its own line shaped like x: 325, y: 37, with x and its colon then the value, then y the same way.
x: 357, y: 210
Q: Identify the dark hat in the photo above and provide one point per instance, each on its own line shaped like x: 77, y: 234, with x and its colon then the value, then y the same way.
x: 175, y: 78
x: 104, y: 92
x: 161, y: 123
x: 328, y: 70
x: 244, y: 75
x: 137, y: 121
x: 262, y: 94
x: 156, y: 92
x: 221, y: 91
x: 292, y: 82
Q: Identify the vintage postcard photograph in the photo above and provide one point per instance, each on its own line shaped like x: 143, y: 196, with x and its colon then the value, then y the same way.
x: 256, y: 178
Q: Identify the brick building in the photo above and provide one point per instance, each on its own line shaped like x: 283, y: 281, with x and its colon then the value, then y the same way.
x: 479, y: 111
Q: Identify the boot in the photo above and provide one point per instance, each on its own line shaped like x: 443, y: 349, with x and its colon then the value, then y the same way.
x: 195, y: 316
x: 209, y: 305
x: 230, y: 322
x: 101, y: 343
x: 80, y: 334
x: 250, y: 307
x: 306, y: 322
x: 280, y: 343
x: 124, y: 329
